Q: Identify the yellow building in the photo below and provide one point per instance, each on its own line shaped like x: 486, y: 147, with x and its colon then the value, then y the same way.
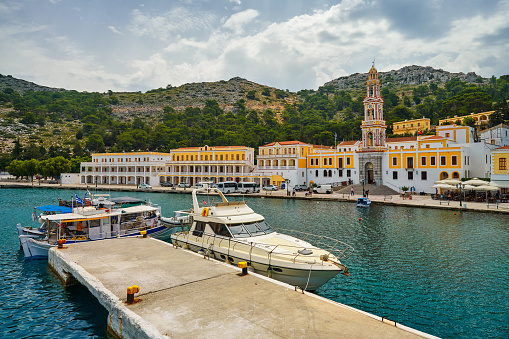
x: 500, y: 168
x: 214, y: 163
x: 411, y: 126
x: 480, y: 118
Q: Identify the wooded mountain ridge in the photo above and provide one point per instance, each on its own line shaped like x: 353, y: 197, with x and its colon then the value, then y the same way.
x: 38, y: 122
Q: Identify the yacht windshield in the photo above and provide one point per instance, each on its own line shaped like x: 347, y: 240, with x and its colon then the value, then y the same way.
x: 250, y: 229
x: 239, y: 231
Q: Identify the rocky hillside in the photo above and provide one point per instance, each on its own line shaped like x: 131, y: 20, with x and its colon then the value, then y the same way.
x: 408, y: 75
x: 226, y: 93
x: 19, y: 85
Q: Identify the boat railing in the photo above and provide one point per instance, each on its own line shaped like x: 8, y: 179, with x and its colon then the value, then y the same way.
x: 125, y: 229
x: 292, y: 253
x: 339, y: 248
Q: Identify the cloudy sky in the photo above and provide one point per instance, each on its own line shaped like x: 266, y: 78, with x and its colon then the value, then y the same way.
x: 125, y: 45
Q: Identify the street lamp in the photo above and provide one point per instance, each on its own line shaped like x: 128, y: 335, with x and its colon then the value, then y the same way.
x: 460, y: 186
x: 287, y: 183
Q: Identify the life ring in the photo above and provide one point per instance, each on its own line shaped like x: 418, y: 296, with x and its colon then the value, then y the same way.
x: 88, y: 203
x: 205, y: 212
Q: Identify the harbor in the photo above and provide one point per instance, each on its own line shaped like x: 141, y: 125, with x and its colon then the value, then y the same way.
x: 415, y: 266
x: 181, y: 294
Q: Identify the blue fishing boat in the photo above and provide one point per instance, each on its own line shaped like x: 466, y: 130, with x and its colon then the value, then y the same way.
x: 363, y: 202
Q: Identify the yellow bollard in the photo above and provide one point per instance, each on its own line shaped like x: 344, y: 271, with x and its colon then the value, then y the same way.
x: 143, y: 233
x: 243, y: 265
x: 61, y: 243
x: 130, y: 293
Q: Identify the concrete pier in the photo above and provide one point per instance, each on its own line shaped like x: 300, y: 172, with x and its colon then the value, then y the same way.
x: 183, y: 295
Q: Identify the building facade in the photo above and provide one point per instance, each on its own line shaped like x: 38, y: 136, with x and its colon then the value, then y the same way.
x: 132, y: 168
x: 454, y: 152
x: 411, y: 126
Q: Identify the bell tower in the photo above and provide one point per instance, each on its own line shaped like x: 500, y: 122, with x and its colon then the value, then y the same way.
x: 373, y: 126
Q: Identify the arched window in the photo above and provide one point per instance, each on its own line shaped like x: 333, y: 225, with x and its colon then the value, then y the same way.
x: 325, y: 173
x: 330, y: 173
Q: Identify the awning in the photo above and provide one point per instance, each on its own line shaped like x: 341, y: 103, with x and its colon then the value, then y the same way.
x: 277, y: 178
x: 500, y: 183
x: 54, y: 208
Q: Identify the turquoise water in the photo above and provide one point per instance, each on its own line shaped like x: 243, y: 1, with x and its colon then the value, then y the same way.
x: 434, y: 271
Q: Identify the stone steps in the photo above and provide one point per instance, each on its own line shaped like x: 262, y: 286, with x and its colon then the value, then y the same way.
x: 373, y: 190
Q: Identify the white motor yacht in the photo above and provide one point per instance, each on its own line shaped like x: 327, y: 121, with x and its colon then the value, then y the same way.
x: 233, y: 232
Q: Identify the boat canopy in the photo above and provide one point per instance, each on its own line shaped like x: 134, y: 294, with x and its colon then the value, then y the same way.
x: 54, y: 208
x: 126, y: 200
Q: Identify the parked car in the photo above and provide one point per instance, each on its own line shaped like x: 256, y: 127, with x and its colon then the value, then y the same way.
x: 145, y: 186
x: 299, y: 188
x: 166, y: 184
x: 323, y: 189
x: 270, y: 188
x: 54, y: 181
x: 184, y: 185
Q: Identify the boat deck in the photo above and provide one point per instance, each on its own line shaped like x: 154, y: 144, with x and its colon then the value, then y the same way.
x: 183, y: 295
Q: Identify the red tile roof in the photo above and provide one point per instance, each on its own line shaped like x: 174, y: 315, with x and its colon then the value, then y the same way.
x: 346, y: 143
x: 432, y: 137
x: 401, y: 139
x: 503, y: 147
x: 284, y: 143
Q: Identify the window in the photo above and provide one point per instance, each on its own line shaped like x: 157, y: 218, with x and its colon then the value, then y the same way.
x: 348, y: 161
x: 432, y: 161
x: 340, y: 173
x: 340, y: 162
x: 330, y: 173
x: 424, y: 175
x: 423, y: 161
x: 442, y: 161
x: 410, y: 175
x: 410, y: 162
x: 316, y: 173
x: 502, y: 164
x: 312, y: 162
x: 330, y: 161
x: 325, y: 161
x: 349, y: 173
x: 454, y: 160
x: 394, y: 161
x: 316, y: 162
x: 395, y: 175
x: 325, y: 173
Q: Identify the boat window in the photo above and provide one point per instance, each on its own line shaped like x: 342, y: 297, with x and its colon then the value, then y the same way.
x: 95, y: 223
x: 254, y: 229
x: 265, y: 226
x: 199, y: 228
x: 220, y: 229
x: 239, y: 231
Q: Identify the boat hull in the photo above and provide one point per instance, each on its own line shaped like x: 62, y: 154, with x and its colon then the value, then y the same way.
x: 38, y: 249
x: 308, y: 277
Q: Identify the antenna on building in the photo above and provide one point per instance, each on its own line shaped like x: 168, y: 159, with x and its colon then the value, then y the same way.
x: 374, y: 61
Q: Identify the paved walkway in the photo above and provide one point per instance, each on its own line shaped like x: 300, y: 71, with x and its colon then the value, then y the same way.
x: 182, y: 295
x: 395, y: 199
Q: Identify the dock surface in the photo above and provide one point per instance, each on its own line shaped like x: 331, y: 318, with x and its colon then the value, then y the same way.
x: 183, y: 295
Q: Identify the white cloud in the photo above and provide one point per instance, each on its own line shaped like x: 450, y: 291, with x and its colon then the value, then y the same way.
x: 176, y: 21
x: 114, y: 30
x: 237, y: 21
x: 238, y: 2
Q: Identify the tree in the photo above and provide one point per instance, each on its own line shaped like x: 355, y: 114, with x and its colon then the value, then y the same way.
x: 95, y: 143
x: 468, y: 121
x: 15, y: 168
x: 30, y: 168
